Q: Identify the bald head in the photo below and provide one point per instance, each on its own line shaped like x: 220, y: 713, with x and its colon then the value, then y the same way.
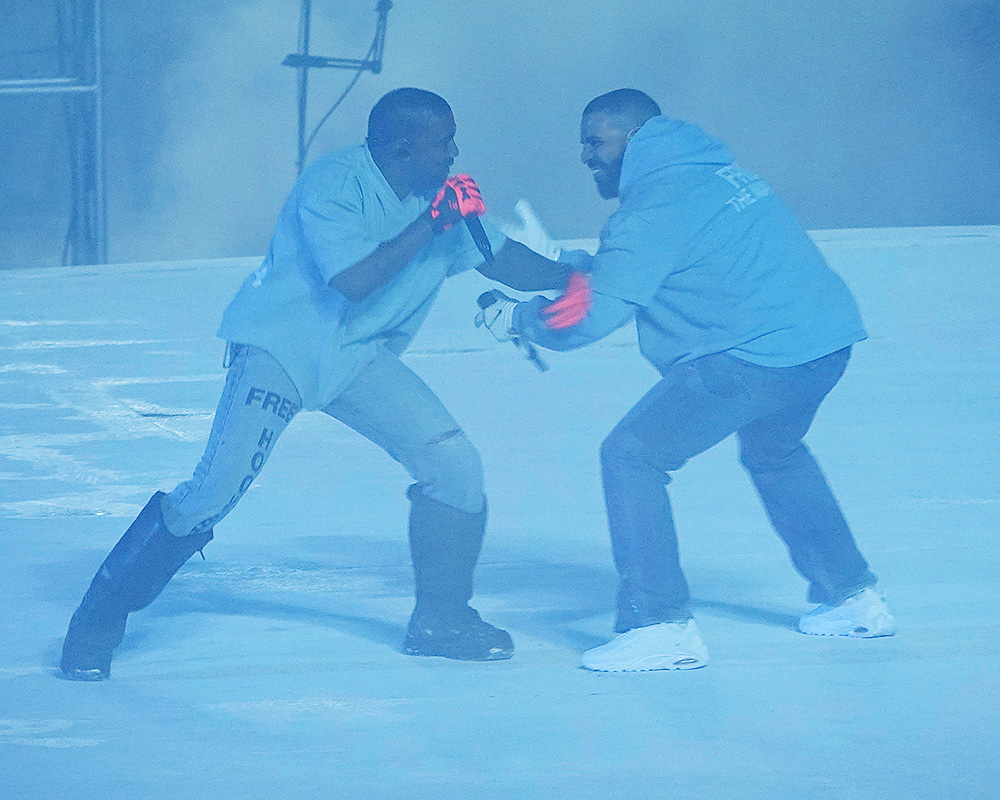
x: 404, y: 114
x: 411, y: 136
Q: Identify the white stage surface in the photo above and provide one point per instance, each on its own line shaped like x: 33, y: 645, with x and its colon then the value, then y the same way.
x: 272, y: 669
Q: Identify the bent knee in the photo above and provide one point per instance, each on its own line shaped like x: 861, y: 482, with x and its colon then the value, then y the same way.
x: 452, y: 472
x: 623, y: 450
x: 758, y: 460
x: 621, y: 443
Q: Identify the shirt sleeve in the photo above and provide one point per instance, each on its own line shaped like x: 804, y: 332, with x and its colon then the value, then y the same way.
x: 330, y: 215
x: 633, y: 260
x: 607, y: 314
x: 580, y: 259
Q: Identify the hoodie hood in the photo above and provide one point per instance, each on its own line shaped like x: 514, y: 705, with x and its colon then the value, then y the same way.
x: 664, y: 149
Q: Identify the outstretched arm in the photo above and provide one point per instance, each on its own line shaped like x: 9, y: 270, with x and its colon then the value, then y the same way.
x: 524, y: 270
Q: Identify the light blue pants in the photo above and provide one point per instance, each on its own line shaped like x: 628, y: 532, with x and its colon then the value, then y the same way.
x: 386, y: 403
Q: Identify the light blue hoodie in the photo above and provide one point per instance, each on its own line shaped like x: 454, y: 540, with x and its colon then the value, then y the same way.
x: 708, y: 259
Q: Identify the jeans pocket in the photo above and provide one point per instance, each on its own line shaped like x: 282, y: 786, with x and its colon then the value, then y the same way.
x: 721, y: 375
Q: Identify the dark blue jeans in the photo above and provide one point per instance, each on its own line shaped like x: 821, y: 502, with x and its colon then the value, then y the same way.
x: 694, y: 407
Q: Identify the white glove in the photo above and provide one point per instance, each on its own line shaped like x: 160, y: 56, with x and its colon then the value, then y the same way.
x: 531, y: 233
x: 497, y: 314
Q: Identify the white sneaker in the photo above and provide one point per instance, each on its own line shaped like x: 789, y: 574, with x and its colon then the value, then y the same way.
x: 861, y: 616
x: 666, y: 645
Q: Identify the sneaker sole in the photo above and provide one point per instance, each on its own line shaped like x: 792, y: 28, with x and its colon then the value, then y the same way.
x: 688, y: 662
x: 857, y: 632
x: 84, y: 675
x: 496, y: 654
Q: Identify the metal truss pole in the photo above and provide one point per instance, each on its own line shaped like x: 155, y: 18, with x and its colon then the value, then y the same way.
x: 305, y: 25
x: 80, y: 84
x: 303, y: 60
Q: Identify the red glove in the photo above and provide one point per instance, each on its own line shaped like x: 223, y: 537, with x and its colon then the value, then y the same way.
x: 573, y: 305
x: 459, y: 197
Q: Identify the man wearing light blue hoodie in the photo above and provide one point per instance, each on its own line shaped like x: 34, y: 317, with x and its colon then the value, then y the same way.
x: 749, y: 329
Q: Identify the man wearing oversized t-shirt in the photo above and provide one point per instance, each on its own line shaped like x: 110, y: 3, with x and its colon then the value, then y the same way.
x: 359, y: 252
x: 749, y: 328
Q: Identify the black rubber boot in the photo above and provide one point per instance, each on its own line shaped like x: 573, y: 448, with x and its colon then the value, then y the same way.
x: 130, y: 578
x: 445, y: 544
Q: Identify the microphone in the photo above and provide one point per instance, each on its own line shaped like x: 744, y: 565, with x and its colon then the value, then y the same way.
x: 486, y: 299
x: 475, y: 227
x: 480, y: 238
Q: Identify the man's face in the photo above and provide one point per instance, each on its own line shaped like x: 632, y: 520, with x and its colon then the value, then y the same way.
x: 432, y: 152
x: 604, y: 140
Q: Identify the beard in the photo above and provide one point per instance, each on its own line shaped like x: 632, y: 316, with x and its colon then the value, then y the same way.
x: 606, y: 176
x: 427, y: 185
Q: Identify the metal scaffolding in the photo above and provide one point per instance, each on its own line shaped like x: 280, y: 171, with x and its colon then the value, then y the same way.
x: 303, y: 61
x: 79, y: 82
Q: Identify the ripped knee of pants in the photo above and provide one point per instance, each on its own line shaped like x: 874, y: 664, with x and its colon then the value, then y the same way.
x: 450, y: 470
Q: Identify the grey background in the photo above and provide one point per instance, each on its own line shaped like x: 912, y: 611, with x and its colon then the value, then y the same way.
x: 860, y: 114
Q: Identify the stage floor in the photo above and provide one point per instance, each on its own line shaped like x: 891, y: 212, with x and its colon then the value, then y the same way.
x: 272, y: 668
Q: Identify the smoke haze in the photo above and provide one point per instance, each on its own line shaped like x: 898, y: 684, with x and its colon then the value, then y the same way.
x: 862, y: 115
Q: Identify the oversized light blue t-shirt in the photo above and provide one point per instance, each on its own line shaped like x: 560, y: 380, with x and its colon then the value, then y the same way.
x: 710, y: 260
x: 340, y: 210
